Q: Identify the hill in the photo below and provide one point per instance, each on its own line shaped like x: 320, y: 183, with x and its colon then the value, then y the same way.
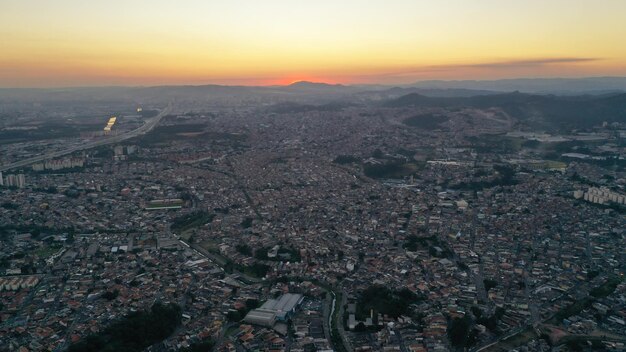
x: 540, y: 111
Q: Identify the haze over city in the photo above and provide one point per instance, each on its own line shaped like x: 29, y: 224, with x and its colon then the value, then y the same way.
x: 313, y: 176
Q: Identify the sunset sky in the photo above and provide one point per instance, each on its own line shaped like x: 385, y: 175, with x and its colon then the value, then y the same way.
x: 52, y: 43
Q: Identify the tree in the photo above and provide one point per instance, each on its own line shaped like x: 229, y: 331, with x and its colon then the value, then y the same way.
x: 458, y: 331
x: 244, y: 249
x: 360, y: 327
x: 252, y: 303
x: 134, y: 332
x: 109, y: 296
x: 489, y: 284
x: 202, y: 346
x: 385, y: 301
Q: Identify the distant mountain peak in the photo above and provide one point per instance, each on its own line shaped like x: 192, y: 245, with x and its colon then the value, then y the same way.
x: 307, y: 84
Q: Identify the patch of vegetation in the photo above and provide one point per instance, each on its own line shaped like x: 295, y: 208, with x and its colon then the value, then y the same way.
x: 412, y: 243
x: 490, y: 322
x: 425, y: 121
x: 601, y: 291
x: 606, y: 289
x: 489, y: 284
x: 573, y: 309
x: 505, y: 177
x: 110, y: 295
x: 244, y: 249
x: 257, y: 270
x: 383, y: 300
x: 247, y: 223
x: 9, y: 205
x: 346, y: 159
x: 202, y: 346
x: 166, y: 133
x: 389, y: 169
x: 188, y: 221
x: 459, y: 332
x: 49, y: 130
x: 51, y: 189
x: 45, y: 252
x: 582, y: 344
x: 592, y: 274
x: 134, y: 332
x: 435, y: 247
x: 537, y: 111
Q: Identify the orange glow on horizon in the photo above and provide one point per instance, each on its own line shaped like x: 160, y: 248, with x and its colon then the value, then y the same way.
x: 292, y: 79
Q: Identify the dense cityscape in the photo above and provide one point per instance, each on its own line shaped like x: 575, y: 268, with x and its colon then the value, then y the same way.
x: 311, y: 218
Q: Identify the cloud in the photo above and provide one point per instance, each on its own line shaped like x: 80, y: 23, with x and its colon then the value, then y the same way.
x: 493, y: 65
x: 531, y: 62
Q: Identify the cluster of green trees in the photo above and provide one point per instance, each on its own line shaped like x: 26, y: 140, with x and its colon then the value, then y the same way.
x: 9, y: 205
x: 247, y: 222
x: 606, y: 289
x: 346, y: 159
x: 505, y: 177
x: 489, y: 284
x: 110, y: 295
x: 461, y: 331
x: 191, y: 220
x: 134, y: 332
x: 201, y: 346
x: 426, y: 121
x: 582, y: 344
x: 383, y: 300
x: 601, y: 291
x: 255, y: 270
x: 389, y: 169
x: 244, y: 249
x: 414, y: 243
x: 51, y: 189
x: 490, y: 322
x: 165, y: 134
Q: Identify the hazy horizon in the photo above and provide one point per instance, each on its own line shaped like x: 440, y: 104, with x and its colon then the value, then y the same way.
x: 364, y: 84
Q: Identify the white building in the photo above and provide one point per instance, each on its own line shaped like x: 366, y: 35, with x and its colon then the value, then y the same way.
x: 602, y: 195
x: 15, y: 181
x: 280, y: 309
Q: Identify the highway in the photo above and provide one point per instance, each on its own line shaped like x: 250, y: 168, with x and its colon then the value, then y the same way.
x: 145, y: 128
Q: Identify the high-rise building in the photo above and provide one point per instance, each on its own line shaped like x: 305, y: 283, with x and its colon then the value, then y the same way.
x: 18, y: 180
x: 603, y: 195
x: 21, y: 181
x: 10, y: 180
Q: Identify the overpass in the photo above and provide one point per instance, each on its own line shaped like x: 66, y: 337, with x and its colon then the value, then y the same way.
x: 145, y: 128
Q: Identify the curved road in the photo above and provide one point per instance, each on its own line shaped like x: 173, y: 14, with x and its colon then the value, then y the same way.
x: 145, y: 128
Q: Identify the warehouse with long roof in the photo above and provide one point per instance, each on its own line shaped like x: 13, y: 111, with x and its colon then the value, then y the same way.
x: 280, y: 309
